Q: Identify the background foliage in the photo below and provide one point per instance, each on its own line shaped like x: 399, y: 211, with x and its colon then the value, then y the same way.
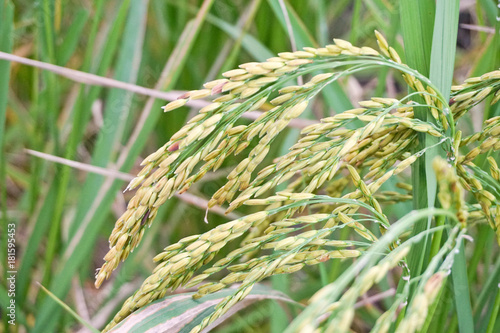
x: 64, y: 214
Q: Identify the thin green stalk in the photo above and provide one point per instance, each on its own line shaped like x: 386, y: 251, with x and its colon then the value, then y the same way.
x: 452, y: 327
x: 48, y: 117
x: 321, y: 21
x: 51, y: 97
x: 436, y: 239
x: 35, y: 141
x: 494, y: 313
x: 69, y: 310
x: 323, y: 273
x: 356, y: 13
x: 494, y: 61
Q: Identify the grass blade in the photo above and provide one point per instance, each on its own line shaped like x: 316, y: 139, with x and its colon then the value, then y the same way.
x: 444, y: 44
x: 6, y: 26
x: 418, y: 43
x: 441, y: 74
x: 417, y: 23
x: 461, y: 291
x: 70, y: 41
x: 69, y: 310
x: 494, y: 314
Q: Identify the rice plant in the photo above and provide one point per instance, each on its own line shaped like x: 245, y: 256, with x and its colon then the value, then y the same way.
x: 299, y: 225
x: 343, y: 178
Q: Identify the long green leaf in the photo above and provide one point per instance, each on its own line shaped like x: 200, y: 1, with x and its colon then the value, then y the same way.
x: 494, y: 313
x: 417, y: 22
x: 180, y: 313
x: 70, y: 41
x: 441, y: 74
x: 29, y: 257
x: 462, y: 293
x: 6, y: 26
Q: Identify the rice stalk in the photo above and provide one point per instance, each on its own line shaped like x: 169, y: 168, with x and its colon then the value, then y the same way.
x: 299, y: 226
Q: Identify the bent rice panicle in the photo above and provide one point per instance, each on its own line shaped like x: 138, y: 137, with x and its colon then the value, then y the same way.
x: 372, y: 144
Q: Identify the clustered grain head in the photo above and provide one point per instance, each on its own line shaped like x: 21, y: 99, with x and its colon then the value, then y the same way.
x: 380, y: 147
